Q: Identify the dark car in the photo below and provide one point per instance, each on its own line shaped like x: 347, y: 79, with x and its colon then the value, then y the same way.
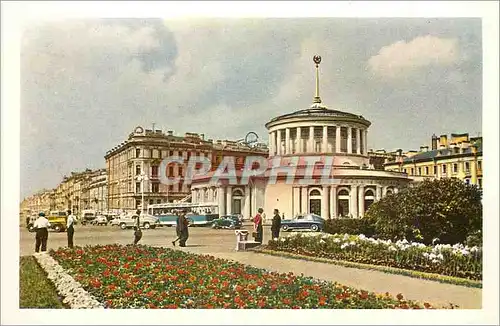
x: 227, y: 222
x: 311, y: 222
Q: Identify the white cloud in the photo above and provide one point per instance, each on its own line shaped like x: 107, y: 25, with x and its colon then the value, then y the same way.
x: 401, y: 58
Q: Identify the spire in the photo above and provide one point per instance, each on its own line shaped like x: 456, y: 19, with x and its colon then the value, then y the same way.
x: 317, y: 61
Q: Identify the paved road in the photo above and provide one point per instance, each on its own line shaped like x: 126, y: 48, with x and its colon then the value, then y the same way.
x: 221, y: 243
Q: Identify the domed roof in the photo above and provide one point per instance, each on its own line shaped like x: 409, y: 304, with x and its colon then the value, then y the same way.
x: 318, y: 111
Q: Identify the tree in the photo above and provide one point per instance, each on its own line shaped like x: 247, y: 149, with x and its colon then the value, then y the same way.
x: 447, y: 209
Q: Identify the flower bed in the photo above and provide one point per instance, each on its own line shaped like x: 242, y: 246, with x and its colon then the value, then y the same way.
x: 148, y: 277
x: 457, y: 261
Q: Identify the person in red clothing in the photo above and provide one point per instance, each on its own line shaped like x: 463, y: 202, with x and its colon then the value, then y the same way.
x: 257, y: 225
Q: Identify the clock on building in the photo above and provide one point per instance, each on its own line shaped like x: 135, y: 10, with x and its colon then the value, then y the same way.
x: 139, y: 130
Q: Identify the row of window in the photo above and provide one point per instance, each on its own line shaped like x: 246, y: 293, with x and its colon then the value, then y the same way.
x: 156, y: 153
x: 318, y: 140
x: 444, y: 169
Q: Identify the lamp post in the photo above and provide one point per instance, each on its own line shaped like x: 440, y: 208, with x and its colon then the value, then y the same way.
x: 142, y: 177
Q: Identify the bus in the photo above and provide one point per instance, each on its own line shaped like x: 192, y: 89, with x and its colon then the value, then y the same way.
x: 198, y: 214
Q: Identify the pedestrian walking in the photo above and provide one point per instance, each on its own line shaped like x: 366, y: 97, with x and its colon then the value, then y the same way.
x: 137, y: 235
x: 182, y: 229
x: 70, y: 231
x: 276, y: 225
x: 41, y: 226
x: 257, y: 226
x: 178, y: 226
x: 137, y: 228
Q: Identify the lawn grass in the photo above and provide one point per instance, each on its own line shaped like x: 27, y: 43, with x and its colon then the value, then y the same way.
x: 35, y: 290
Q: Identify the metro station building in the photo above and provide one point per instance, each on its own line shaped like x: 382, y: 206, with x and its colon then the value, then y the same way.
x: 338, y: 139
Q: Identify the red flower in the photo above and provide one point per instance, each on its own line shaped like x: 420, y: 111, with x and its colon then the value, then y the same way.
x: 363, y: 294
x: 274, y: 287
x: 399, y: 296
x: 286, y: 301
x: 427, y: 305
x: 188, y: 291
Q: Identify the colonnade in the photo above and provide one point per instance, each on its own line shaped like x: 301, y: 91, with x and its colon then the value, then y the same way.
x: 291, y: 140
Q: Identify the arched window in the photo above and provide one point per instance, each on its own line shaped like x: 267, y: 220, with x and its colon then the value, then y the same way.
x: 315, y: 202
x: 237, y: 193
x: 389, y: 191
x: 343, y: 202
x: 314, y: 192
x: 369, y: 198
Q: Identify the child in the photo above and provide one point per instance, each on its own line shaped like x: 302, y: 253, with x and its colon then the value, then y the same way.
x: 137, y: 234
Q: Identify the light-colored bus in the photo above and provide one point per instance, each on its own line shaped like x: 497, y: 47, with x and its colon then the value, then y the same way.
x: 198, y: 214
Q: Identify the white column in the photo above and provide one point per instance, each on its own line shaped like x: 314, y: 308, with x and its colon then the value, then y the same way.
x: 378, y: 193
x: 288, y: 149
x: 354, y: 201
x: 220, y: 200
x: 349, y: 140
x: 325, y: 139
x: 358, y: 140
x: 305, y: 201
x: 384, y: 191
x: 193, y: 195
x: 333, y: 201
x: 361, y: 201
x: 325, y: 210
x: 247, y: 210
x: 229, y: 200
x: 311, y: 140
x: 365, y: 140
x: 296, y: 201
x: 272, y: 146
x: 300, y: 148
x: 278, y: 143
x: 337, y: 139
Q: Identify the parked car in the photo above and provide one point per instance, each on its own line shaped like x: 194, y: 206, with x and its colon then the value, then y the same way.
x: 312, y: 222
x: 227, y: 222
x: 88, y: 216
x: 100, y: 220
x: 129, y: 221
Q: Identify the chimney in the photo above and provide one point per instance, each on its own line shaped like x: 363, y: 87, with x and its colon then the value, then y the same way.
x: 424, y: 148
x: 434, y: 142
x: 170, y: 133
x: 202, y: 136
x: 443, y: 141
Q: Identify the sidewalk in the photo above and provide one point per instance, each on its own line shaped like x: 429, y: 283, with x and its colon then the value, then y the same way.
x: 438, y: 294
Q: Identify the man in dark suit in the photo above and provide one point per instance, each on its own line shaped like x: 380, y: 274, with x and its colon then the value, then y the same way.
x: 276, y: 225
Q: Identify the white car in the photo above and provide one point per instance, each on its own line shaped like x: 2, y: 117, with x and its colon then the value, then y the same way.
x: 129, y: 221
x: 101, y: 220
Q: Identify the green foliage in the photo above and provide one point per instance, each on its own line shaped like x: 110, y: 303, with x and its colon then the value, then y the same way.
x: 349, y: 226
x: 35, y: 290
x: 447, y: 209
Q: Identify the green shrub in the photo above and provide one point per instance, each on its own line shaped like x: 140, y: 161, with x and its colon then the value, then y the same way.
x: 354, y: 226
x: 446, y: 209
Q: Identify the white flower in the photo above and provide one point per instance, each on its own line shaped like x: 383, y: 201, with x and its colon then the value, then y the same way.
x: 344, y: 245
x: 361, y: 237
x: 73, y: 293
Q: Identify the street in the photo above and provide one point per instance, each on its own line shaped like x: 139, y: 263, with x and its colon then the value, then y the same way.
x: 201, y: 239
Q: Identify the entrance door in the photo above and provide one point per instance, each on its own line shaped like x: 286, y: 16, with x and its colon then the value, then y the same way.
x: 237, y: 206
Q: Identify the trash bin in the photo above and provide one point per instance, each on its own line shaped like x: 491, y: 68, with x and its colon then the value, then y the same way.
x: 241, y: 236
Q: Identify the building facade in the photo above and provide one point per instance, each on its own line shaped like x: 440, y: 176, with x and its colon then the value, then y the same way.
x: 133, y: 167
x: 458, y: 157
x: 339, y: 139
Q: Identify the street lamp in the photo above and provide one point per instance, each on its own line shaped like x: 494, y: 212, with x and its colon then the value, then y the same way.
x: 142, y: 177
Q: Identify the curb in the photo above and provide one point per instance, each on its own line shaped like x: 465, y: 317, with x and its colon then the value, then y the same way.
x: 385, y: 269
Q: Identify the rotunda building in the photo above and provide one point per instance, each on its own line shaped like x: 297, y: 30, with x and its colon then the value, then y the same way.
x: 318, y: 163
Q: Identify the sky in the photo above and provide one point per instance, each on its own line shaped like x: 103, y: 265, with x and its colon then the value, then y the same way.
x: 86, y: 84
